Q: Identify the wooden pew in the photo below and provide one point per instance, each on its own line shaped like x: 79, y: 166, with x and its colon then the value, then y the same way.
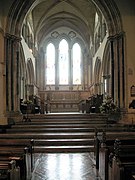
x: 15, y: 142
x: 9, y: 170
x: 122, y: 166
x: 21, y: 155
x: 105, y: 146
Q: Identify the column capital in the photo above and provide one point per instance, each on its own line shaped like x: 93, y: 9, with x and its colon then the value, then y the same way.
x: 13, y: 37
x: 2, y: 32
x: 116, y: 36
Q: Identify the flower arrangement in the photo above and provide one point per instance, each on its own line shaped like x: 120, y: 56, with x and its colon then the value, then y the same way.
x: 108, y: 106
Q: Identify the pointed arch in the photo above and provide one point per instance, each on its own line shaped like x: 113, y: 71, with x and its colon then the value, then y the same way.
x: 19, y: 9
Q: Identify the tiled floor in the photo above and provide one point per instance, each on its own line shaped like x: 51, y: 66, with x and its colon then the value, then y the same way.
x: 64, y: 166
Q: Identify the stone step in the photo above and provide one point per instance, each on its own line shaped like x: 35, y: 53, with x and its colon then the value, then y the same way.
x: 67, y: 119
x: 85, y: 135
x: 62, y: 123
x: 67, y: 115
x: 44, y: 130
x: 63, y: 149
x: 71, y: 127
x: 33, y: 126
x: 45, y: 142
x: 55, y: 135
x: 62, y: 142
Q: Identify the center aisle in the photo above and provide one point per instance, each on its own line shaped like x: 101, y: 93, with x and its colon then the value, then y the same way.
x: 64, y: 166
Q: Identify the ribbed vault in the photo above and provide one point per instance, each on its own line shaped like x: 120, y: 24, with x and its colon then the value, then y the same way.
x: 48, y: 15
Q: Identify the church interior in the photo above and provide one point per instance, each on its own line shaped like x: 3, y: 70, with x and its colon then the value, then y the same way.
x: 67, y: 75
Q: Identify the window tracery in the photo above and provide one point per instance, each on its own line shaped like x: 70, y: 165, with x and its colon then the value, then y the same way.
x: 66, y: 63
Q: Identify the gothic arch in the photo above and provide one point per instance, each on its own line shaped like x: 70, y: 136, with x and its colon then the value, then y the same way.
x: 111, y: 14
x: 19, y: 9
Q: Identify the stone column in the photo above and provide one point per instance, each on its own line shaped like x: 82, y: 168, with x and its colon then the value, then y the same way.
x: 37, y: 62
x: 3, y: 118
x: 85, y: 69
x: 38, y: 69
x: 12, y: 44
x: 117, y: 69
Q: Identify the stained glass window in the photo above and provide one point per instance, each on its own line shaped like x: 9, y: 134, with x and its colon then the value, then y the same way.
x: 63, y: 62
x: 50, y: 64
x: 76, y: 64
x: 68, y: 70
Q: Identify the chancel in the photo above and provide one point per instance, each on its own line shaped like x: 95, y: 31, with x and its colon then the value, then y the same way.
x: 67, y: 78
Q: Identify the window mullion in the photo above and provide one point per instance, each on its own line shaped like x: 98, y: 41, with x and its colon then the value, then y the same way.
x: 57, y: 67
x: 70, y: 70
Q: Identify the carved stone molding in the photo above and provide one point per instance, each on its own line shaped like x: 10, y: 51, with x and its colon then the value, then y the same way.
x: 12, y: 37
x: 2, y: 32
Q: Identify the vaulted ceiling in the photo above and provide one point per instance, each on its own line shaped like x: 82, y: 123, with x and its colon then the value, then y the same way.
x: 78, y: 15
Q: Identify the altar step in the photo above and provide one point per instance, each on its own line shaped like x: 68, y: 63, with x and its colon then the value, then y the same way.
x: 52, y: 133
x: 55, y: 135
x: 68, y: 116
x: 65, y: 119
x: 63, y: 149
x: 53, y: 130
x: 55, y: 126
x: 63, y: 145
x: 67, y: 128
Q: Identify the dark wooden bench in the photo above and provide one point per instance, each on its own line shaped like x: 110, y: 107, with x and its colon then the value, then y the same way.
x: 122, y: 162
x: 104, y: 145
x: 21, y: 155
x: 15, y: 142
x: 9, y: 170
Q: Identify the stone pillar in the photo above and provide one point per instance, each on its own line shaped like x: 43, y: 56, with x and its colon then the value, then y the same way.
x: 117, y: 69
x: 86, y: 71
x: 38, y: 69
x: 12, y: 44
x: 3, y: 118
